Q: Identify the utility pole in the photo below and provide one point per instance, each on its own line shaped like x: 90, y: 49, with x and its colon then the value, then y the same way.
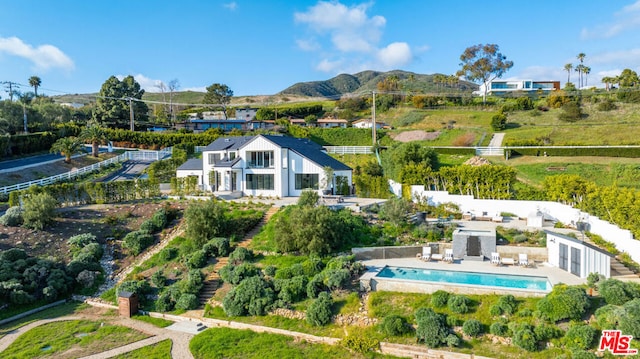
x: 10, y: 88
x: 373, y: 119
x: 131, y: 125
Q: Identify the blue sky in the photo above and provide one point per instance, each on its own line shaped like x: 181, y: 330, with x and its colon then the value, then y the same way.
x: 262, y: 47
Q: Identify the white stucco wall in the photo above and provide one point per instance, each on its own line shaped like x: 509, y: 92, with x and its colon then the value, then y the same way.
x: 622, y: 238
x: 591, y: 260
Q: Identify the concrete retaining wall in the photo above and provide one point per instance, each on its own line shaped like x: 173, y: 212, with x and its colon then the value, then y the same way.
x: 368, y: 253
x: 414, y: 286
x: 29, y: 312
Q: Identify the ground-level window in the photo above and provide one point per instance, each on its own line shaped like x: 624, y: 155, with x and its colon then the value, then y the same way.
x: 306, y: 180
x: 260, y: 181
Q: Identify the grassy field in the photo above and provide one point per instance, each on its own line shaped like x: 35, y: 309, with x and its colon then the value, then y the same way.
x: 230, y: 343
x: 71, y: 339
x: 160, y: 350
x: 604, y: 171
x: 57, y: 311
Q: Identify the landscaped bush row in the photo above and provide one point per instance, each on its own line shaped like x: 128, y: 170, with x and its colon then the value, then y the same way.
x: 17, y: 145
x: 72, y: 194
x: 137, y: 241
x: 554, y: 151
x: 158, y: 140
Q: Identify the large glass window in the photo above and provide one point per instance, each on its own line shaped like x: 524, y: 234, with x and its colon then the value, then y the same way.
x: 263, y: 159
x: 213, y: 158
x: 575, y: 261
x: 306, y: 180
x: 259, y: 181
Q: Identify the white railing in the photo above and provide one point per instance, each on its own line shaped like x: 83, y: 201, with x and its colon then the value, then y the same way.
x: 489, y: 151
x: 349, y: 150
x: 129, y: 155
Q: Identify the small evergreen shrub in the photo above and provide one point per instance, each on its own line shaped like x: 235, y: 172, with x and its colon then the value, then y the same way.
x: 319, y: 312
x: 360, y: 343
x: 452, y: 340
x: 394, y: 325
x: 197, y: 260
x: 439, y: 298
x: 187, y: 301
x: 525, y: 338
x: 580, y: 337
x: 458, y: 304
x: 499, y: 328
x: 431, y: 327
x: 472, y: 328
x: 12, y: 217
x: 137, y: 241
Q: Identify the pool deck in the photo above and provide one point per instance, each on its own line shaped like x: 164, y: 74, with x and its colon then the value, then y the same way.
x: 555, y: 275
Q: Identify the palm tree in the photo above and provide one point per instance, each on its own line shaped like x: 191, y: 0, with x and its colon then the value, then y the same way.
x: 581, y: 56
x: 607, y: 81
x: 35, y: 82
x: 579, y: 69
x: 96, y: 135
x: 586, y: 71
x: 568, y: 68
x: 67, y: 146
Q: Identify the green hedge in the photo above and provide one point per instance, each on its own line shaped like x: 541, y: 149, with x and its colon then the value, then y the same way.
x: 24, y: 144
x: 157, y: 140
x: 343, y: 136
x: 631, y: 152
x: 455, y: 151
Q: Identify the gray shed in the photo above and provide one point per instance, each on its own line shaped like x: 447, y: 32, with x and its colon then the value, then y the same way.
x: 473, y: 244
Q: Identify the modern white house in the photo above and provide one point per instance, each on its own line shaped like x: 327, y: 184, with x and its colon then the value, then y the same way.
x: 267, y: 165
x: 502, y: 87
x: 367, y: 123
x: 577, y: 257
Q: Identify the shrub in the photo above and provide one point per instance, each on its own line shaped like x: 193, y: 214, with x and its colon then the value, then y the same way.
x: 187, y: 301
x: 312, y: 266
x: 253, y: 296
x: 439, y: 298
x: 453, y: 321
x: 87, y: 278
x: 38, y: 210
x: 506, y: 304
x: 319, y: 312
x: 458, y: 304
x: 205, y: 219
x: 270, y: 270
x: 544, y: 332
x: 525, y: 338
x: 607, y: 316
x: 139, y: 287
x: 564, y: 302
x: 337, y: 278
x: 452, y: 340
x: 582, y: 354
x: 316, y: 286
x: 81, y: 240
x: 137, y: 241
x: 158, y: 279
x: 472, y: 327
x: 90, y: 253
x: 519, y: 238
x: 291, y: 290
x: 499, y: 328
x: 360, y: 343
x: 167, y: 254
x: 607, y: 105
x: 431, y: 327
x: 499, y: 122
x: 218, y: 247
x: 164, y: 303
x: 613, y: 291
x: 197, y: 260
x: 571, y: 112
x: 594, y: 279
x: 240, y: 254
x: 308, y: 198
x: 236, y: 274
x: 394, y: 325
x: 12, y: 217
x: 629, y: 318
x: 580, y: 337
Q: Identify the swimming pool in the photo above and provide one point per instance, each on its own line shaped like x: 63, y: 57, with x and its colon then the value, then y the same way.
x: 504, y: 281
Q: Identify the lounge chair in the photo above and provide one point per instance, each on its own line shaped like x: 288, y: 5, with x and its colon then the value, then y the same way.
x: 436, y: 256
x: 448, y: 255
x: 426, y: 253
x: 523, y: 259
x: 495, y: 258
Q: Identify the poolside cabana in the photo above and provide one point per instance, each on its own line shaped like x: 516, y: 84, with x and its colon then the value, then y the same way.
x: 577, y: 257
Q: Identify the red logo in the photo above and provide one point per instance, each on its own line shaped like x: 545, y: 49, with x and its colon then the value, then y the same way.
x: 616, y: 343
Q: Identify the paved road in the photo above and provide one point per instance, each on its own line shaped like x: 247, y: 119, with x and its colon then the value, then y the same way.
x: 130, y: 170
x: 496, y: 140
x: 38, y: 160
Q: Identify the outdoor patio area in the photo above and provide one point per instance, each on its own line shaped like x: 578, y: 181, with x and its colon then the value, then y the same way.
x: 553, y: 274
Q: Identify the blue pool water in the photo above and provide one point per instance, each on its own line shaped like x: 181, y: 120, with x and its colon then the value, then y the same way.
x: 453, y: 277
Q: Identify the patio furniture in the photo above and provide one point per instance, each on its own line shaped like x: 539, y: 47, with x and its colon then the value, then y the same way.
x: 495, y: 258
x: 507, y: 261
x: 523, y: 259
x: 448, y: 255
x: 436, y: 256
x: 426, y: 253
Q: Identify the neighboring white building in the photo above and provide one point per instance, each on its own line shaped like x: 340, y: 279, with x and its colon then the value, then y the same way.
x: 577, y: 257
x: 502, y: 87
x: 266, y: 165
x: 366, y: 123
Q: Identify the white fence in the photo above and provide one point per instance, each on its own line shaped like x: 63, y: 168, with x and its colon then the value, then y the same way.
x: 349, y: 150
x: 129, y: 155
x: 489, y: 151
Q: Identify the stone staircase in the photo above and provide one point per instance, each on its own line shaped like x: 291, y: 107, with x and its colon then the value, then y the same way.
x: 212, y: 280
x: 620, y: 270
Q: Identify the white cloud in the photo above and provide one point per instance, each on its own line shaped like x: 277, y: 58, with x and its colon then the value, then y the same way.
x: 626, y: 19
x: 626, y: 58
x: 353, y: 36
x: 231, y: 6
x: 43, y: 57
x: 149, y: 85
x: 395, y: 54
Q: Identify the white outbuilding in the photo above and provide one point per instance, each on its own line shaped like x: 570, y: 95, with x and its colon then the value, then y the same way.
x: 577, y: 257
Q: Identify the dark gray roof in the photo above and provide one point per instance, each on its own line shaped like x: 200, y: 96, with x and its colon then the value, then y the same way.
x: 227, y: 163
x: 309, y: 149
x: 228, y: 143
x: 192, y: 164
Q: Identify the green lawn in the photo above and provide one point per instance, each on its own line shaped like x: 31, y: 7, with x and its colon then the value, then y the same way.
x: 57, y: 311
x: 158, y: 322
x: 245, y: 344
x: 160, y: 350
x: 82, y: 336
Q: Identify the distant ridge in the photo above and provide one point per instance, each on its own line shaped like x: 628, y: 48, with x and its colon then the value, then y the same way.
x: 366, y: 81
